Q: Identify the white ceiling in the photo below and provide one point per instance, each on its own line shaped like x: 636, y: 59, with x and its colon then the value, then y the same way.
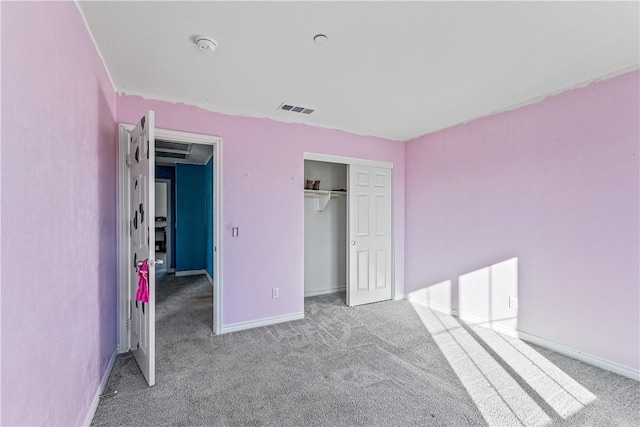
x: 390, y: 69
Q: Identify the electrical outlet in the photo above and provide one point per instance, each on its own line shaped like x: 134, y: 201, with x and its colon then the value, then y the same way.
x: 275, y: 292
x: 513, y: 302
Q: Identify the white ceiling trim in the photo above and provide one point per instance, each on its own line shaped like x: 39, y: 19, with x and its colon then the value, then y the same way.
x: 538, y: 99
x: 235, y: 113
x: 104, y: 63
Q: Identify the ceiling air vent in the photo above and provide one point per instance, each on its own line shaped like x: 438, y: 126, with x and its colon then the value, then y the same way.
x: 295, y: 109
x: 168, y: 145
x: 172, y: 155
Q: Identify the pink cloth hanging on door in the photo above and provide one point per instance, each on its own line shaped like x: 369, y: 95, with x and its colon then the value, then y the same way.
x: 143, y: 282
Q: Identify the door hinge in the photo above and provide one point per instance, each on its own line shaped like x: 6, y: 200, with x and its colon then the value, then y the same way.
x: 127, y: 159
x: 128, y: 323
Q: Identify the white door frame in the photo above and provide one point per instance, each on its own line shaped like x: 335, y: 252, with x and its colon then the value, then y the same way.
x: 329, y: 158
x: 170, y: 225
x: 123, y: 224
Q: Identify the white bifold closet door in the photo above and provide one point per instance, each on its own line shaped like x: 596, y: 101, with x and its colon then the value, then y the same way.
x: 370, y: 242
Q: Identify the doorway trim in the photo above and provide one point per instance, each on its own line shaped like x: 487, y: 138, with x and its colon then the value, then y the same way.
x: 349, y: 161
x: 170, y: 222
x: 329, y: 158
x: 123, y: 224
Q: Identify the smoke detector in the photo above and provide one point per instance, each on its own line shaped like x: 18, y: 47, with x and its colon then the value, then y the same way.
x: 206, y: 44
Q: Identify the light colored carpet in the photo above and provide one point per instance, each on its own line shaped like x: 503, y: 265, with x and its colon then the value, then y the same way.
x: 381, y: 364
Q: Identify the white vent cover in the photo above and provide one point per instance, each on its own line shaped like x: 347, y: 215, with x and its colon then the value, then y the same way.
x: 172, y: 155
x: 295, y: 109
x: 168, y: 145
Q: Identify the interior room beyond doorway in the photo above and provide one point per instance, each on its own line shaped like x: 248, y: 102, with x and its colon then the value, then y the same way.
x: 184, y: 215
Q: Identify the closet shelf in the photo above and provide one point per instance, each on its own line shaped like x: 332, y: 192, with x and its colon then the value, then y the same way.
x: 323, y: 197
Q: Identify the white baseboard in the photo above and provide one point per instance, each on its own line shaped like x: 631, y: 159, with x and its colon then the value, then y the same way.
x: 190, y: 273
x: 542, y: 342
x: 514, y: 333
x: 433, y: 306
x: 485, y: 323
x: 103, y: 383
x: 265, y: 321
x: 324, y: 291
x: 579, y: 355
x: 396, y: 297
x: 209, y: 278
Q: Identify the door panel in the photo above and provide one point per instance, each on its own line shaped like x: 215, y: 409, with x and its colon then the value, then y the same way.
x: 142, y: 219
x: 363, y: 270
x: 363, y: 215
x: 370, y: 236
x: 362, y: 178
x: 381, y: 215
x: 381, y: 268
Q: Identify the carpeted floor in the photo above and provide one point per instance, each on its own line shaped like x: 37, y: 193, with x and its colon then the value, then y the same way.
x: 389, y: 364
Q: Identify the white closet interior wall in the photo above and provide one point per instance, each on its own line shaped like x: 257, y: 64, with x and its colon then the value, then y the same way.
x: 325, y: 232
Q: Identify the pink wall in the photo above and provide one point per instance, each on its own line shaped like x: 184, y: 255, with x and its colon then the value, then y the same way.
x: 263, y: 172
x: 0, y: 219
x: 554, y: 184
x: 58, y: 215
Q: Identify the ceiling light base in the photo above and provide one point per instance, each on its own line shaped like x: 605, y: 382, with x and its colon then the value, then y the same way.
x: 206, y: 44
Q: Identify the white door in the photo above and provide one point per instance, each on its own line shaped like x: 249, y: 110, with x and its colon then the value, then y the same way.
x: 369, y: 235
x: 142, y: 231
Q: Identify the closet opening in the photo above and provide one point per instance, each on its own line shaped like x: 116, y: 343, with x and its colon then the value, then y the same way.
x: 325, y: 229
x: 348, y: 230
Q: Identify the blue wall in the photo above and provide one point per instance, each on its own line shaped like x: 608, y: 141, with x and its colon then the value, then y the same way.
x: 208, y: 180
x: 191, y: 210
x: 169, y: 172
x: 191, y: 239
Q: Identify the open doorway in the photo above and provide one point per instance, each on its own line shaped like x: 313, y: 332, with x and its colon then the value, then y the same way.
x: 184, y: 208
x: 163, y: 237
x: 184, y: 236
x: 325, y: 229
